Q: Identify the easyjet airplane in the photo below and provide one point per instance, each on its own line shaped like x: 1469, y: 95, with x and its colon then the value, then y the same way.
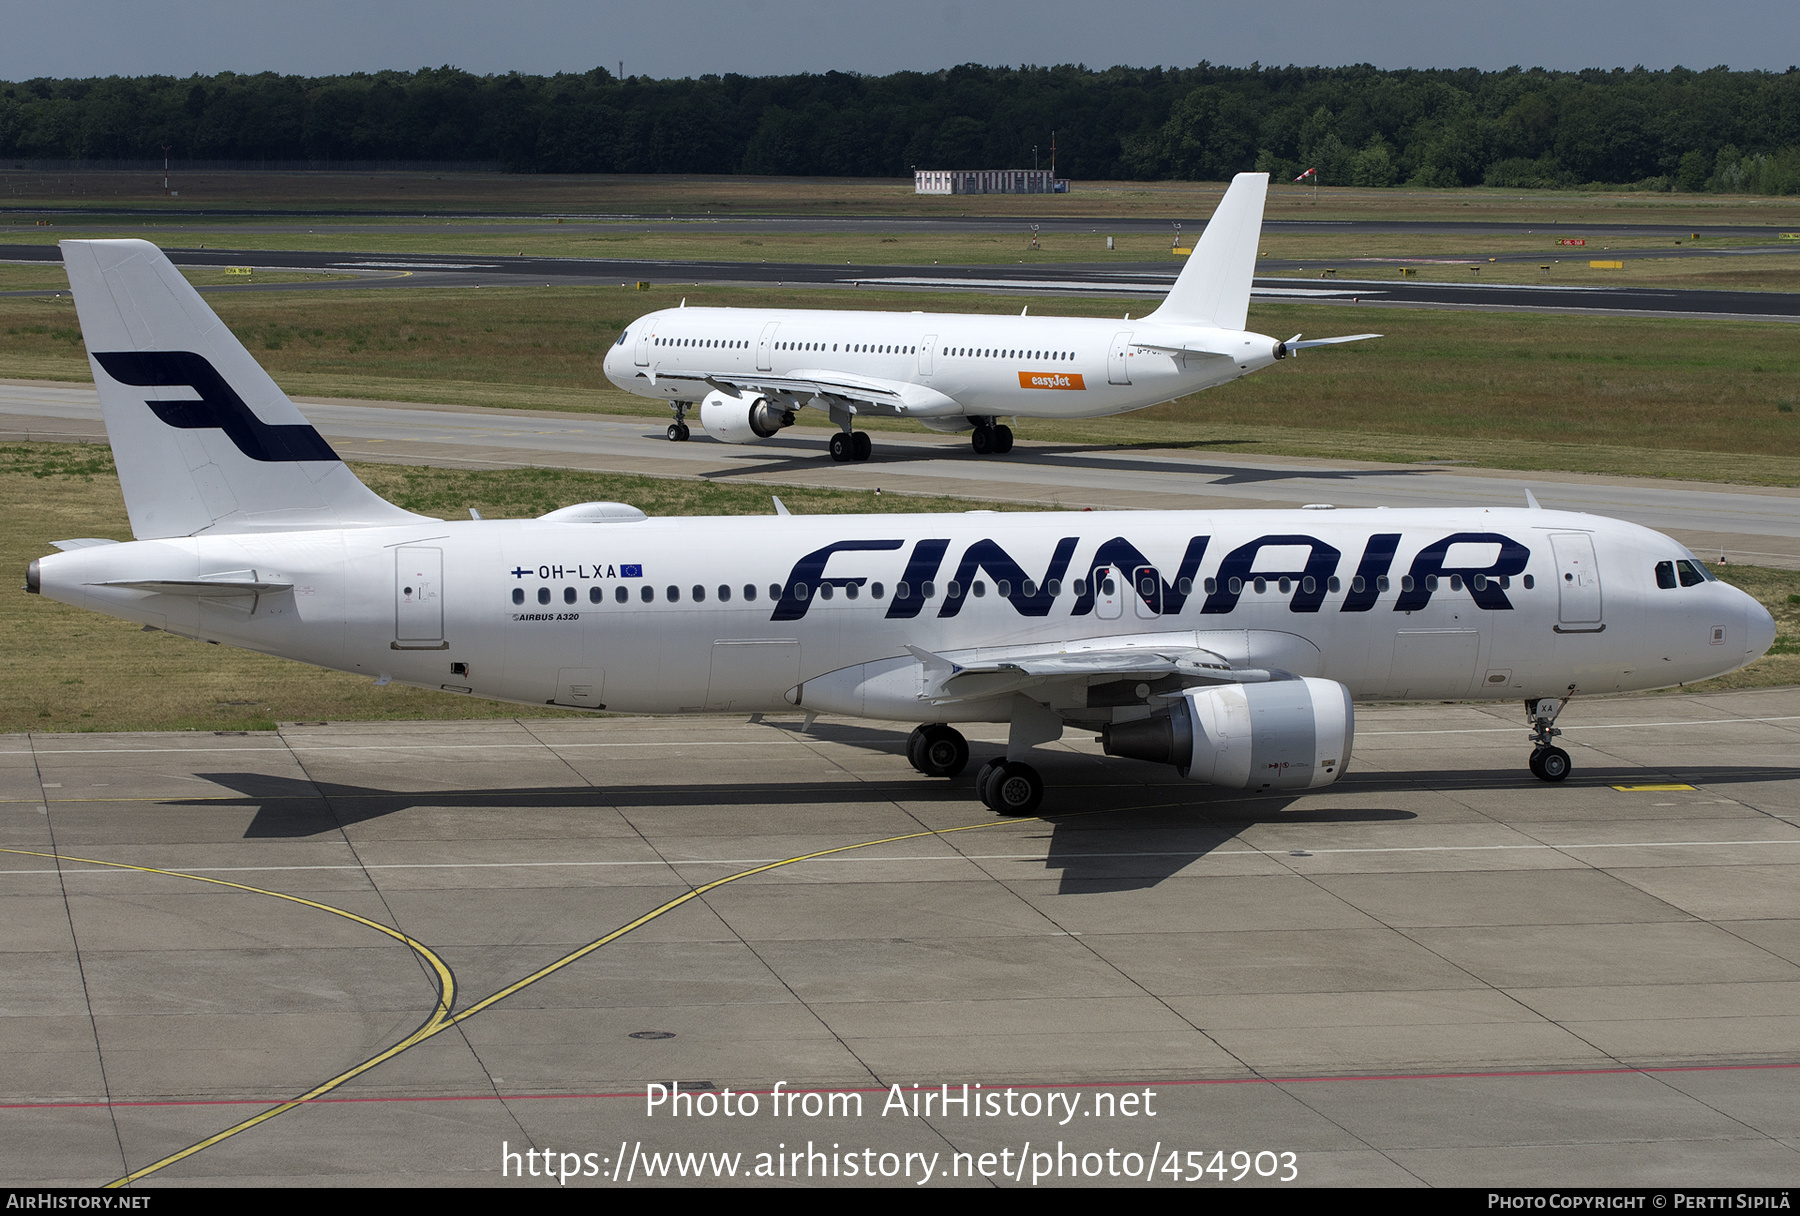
x: 1229, y: 644
x: 751, y: 369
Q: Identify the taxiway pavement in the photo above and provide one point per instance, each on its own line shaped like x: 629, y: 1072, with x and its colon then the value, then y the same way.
x: 1759, y: 525
x: 1438, y: 971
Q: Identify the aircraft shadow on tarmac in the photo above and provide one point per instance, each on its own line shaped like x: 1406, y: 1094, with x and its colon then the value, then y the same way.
x: 1114, y: 825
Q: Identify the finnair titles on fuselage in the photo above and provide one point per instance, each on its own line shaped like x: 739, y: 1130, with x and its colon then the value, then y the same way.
x: 1227, y: 644
x: 749, y: 370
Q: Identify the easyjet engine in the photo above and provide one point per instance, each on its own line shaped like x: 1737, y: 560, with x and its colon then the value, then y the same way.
x: 1284, y: 735
x: 742, y: 419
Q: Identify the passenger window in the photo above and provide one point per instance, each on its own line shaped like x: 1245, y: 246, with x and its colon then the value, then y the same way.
x: 1406, y: 582
x: 876, y: 590
x: 825, y: 591
x: 595, y: 595
x: 674, y: 594
x: 1381, y: 582
x: 647, y: 594
x: 621, y: 594
x: 1530, y: 582
x: 749, y: 593
x: 1079, y: 586
x: 1054, y: 587
x: 543, y: 595
x: 699, y: 594
x: 1235, y: 586
x: 980, y: 588
x: 724, y: 594
x: 851, y: 591
x: 1210, y: 586
x: 952, y: 590
x: 568, y: 595
x: 774, y: 591
x: 928, y: 590
x: 1332, y: 584
x: 518, y: 595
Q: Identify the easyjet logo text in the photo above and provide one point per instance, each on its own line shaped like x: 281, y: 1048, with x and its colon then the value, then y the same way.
x: 1051, y: 380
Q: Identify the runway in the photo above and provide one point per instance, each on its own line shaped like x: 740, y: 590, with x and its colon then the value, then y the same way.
x: 1758, y: 525
x: 1149, y: 280
x: 1436, y: 972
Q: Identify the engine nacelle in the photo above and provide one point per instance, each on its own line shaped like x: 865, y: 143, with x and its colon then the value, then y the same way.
x: 742, y: 419
x: 1283, y: 735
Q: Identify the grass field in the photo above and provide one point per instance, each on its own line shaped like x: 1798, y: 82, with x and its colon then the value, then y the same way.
x: 70, y: 670
x: 1704, y: 400
x: 386, y: 193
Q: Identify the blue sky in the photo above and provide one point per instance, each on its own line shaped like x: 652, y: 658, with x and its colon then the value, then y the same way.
x: 769, y: 37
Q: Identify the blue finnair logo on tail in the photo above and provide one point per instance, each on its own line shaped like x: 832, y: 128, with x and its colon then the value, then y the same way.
x: 219, y: 407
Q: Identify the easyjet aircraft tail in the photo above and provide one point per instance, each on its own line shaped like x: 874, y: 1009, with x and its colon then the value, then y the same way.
x: 1214, y: 287
x: 204, y: 440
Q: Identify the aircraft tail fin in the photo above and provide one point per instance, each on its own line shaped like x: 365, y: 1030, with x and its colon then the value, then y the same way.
x: 204, y: 440
x: 1214, y: 287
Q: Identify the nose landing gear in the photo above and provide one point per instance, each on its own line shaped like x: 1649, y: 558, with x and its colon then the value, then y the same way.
x: 678, y: 429
x: 1548, y: 762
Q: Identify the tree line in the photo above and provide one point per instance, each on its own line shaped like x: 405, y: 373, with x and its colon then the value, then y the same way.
x: 1679, y: 129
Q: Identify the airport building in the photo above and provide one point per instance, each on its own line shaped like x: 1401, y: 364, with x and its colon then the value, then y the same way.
x: 988, y: 181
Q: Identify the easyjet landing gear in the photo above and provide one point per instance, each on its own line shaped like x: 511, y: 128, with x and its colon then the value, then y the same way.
x: 1548, y: 762
x: 1009, y: 787
x: 989, y: 437
x: 937, y: 750
x: 678, y: 429
x: 851, y: 445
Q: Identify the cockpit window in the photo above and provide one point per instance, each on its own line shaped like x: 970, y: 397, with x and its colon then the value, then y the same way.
x: 624, y: 335
x: 1665, y: 575
x: 1693, y: 573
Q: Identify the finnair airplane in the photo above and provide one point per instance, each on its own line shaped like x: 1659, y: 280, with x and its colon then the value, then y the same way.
x: 752, y: 369
x: 1229, y: 644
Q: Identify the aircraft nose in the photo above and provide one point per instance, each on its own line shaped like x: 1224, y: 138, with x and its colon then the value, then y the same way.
x: 1759, y: 629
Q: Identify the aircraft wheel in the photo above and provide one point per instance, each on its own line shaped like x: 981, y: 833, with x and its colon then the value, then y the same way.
x: 678, y: 432
x: 861, y: 446
x: 981, y: 780
x: 915, y: 748
x: 945, y: 752
x: 1003, y: 438
x: 982, y: 440
x: 1013, y: 789
x: 840, y: 446
x: 1550, y: 764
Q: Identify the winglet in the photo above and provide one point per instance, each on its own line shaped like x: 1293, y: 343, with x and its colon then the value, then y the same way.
x: 1531, y: 501
x: 780, y: 507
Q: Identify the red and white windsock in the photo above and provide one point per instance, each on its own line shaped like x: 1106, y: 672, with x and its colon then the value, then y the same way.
x: 1307, y: 174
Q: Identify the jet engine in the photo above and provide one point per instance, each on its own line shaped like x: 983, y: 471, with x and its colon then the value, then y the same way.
x: 1283, y: 735
x: 742, y: 419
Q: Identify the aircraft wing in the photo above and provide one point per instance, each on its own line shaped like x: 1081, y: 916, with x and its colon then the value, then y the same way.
x: 804, y: 383
x: 949, y: 679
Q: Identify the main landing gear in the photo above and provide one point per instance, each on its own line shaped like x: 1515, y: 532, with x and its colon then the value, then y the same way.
x: 851, y: 445
x: 1007, y: 787
x: 989, y: 437
x: 1548, y: 762
x: 678, y: 429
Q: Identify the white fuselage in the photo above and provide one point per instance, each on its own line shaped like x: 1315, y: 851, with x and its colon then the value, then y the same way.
x: 755, y: 613
x: 947, y: 365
